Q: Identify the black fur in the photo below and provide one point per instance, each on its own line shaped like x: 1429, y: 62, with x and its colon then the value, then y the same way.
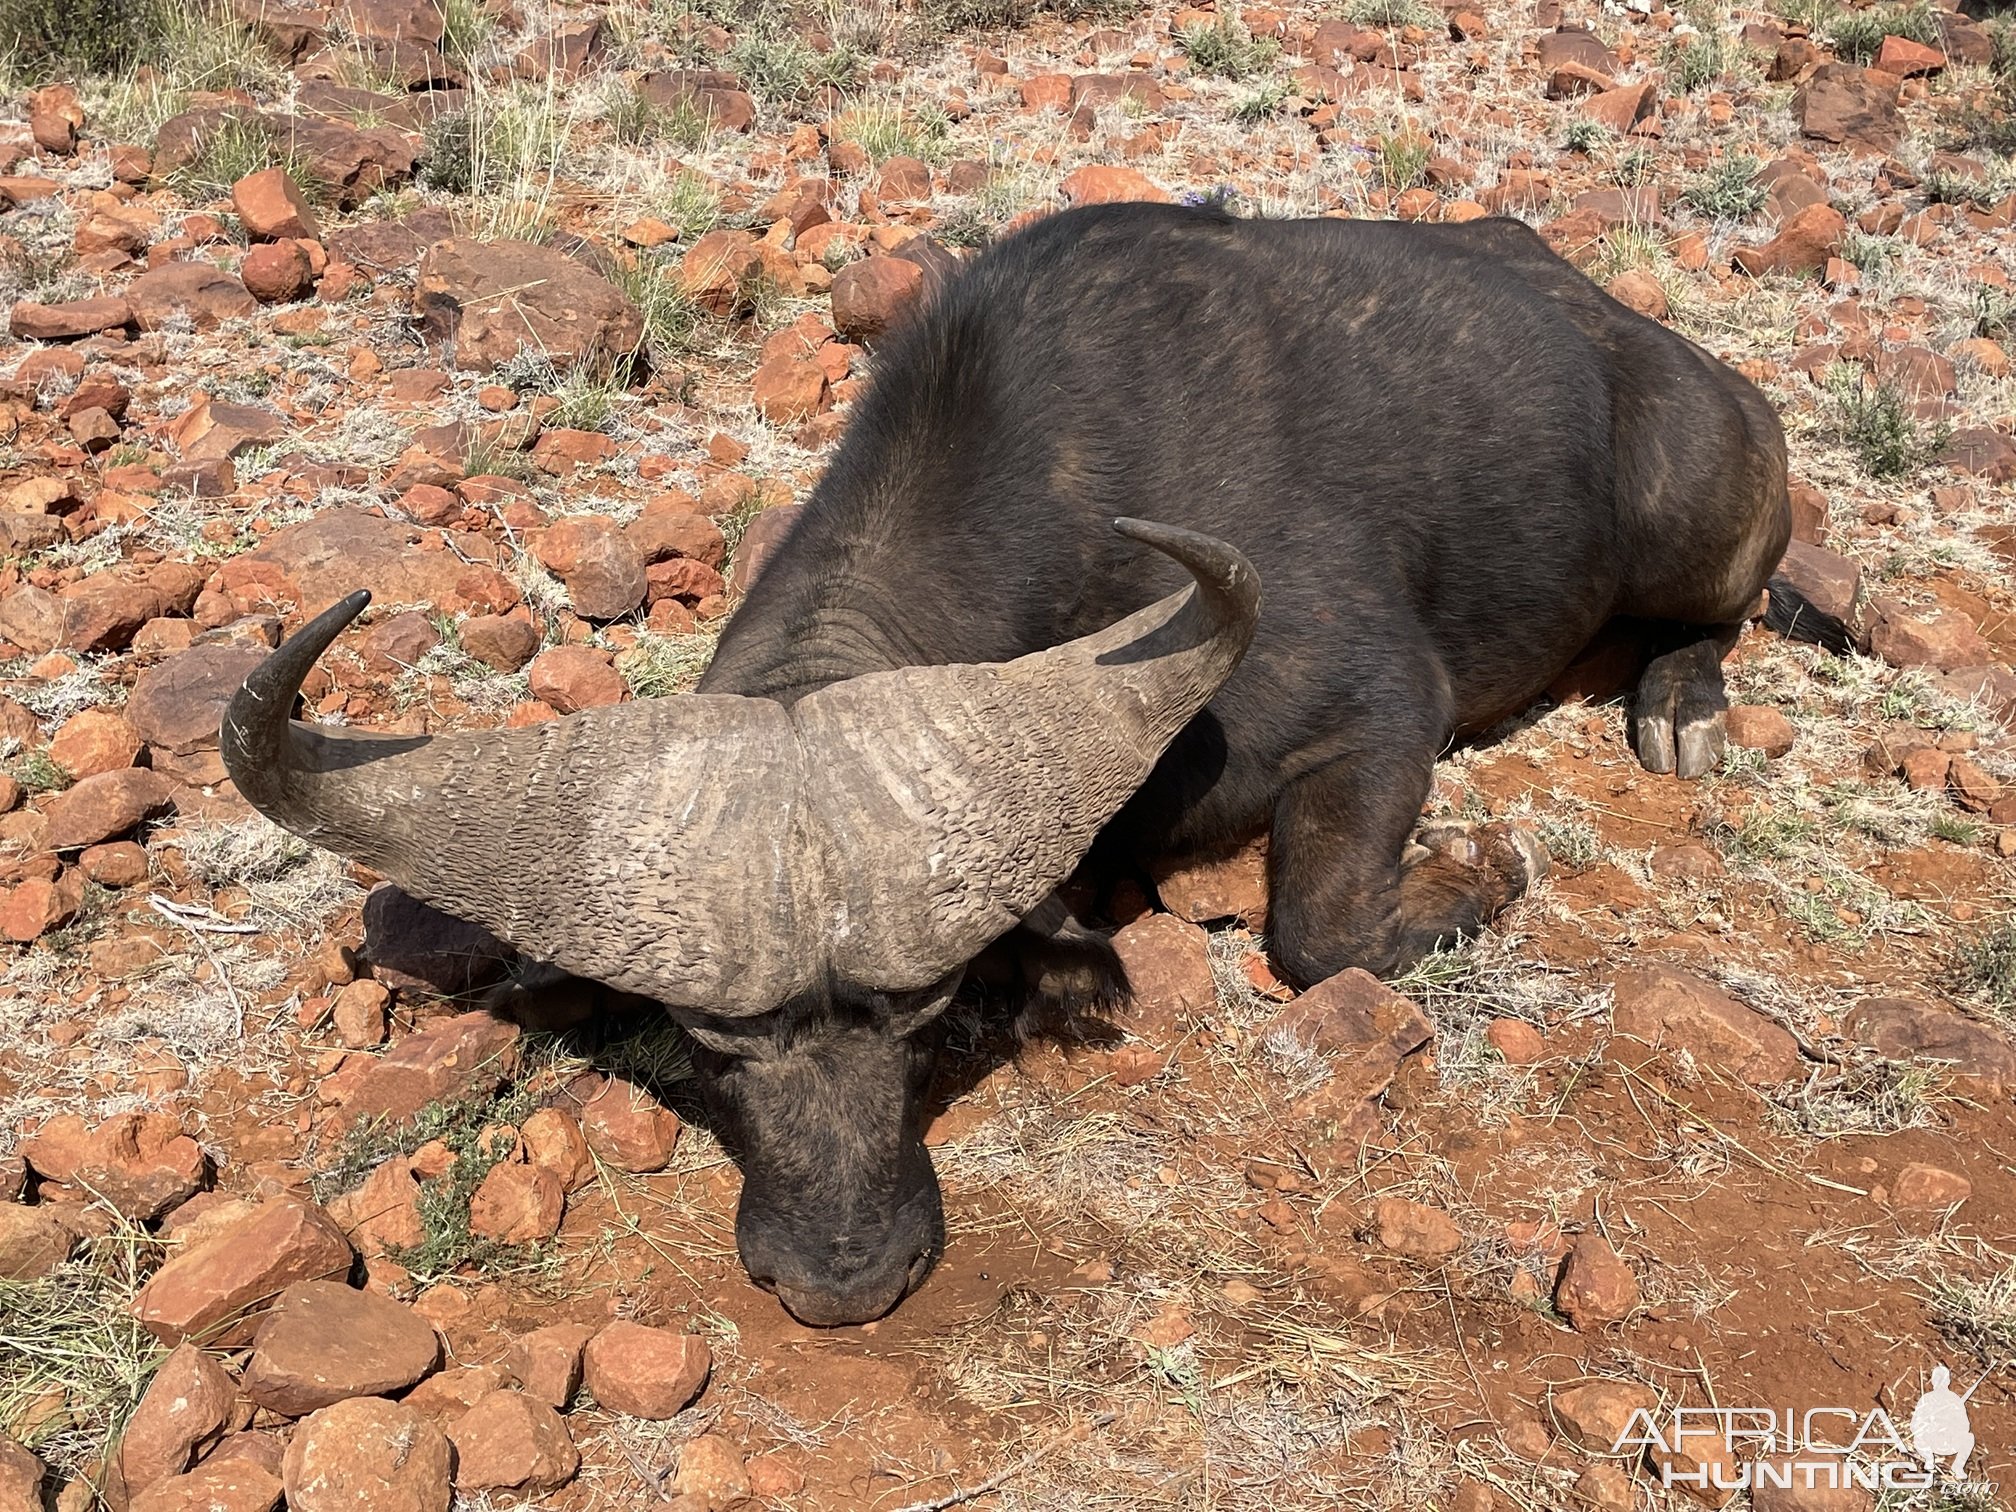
x: 1450, y: 456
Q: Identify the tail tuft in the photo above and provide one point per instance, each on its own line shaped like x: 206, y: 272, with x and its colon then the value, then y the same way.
x: 1793, y: 616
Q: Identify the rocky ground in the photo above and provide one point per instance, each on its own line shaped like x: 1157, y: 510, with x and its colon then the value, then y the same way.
x: 535, y: 320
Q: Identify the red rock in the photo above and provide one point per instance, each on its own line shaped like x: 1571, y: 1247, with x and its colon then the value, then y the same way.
x: 1907, y: 59
x: 1662, y: 1006
x: 511, y: 1441
x: 1828, y: 581
x: 1943, y: 639
x: 368, y: 1453
x: 601, y: 566
x: 1621, y: 109
x: 470, y: 1055
x: 871, y: 296
x: 1757, y: 727
x: 628, y: 1127
x: 712, y: 1469
x: 1917, y: 372
x: 32, y: 908
x: 63, y: 322
x: 398, y: 643
x: 788, y: 389
x: 197, y: 291
x: 178, y: 705
x: 1168, y: 966
x: 517, y: 1204
x: 560, y: 451
x: 1596, y: 1286
x: 1204, y: 890
x: 1517, y: 1042
x: 1768, y: 1496
x: 186, y: 1410
x: 661, y: 534
x: 360, y: 1013
x: 384, y: 1213
x: 324, y: 1343
x: 236, y: 1484
x: 572, y: 678
x: 1594, y: 1416
x: 1845, y: 104
x: 33, y: 1242
x: 554, y: 1142
x: 1803, y: 244
x: 142, y: 1164
x: 119, y: 864
x: 765, y: 532
x: 499, y: 641
x: 492, y: 299
x: 272, y: 207
x: 1351, y: 1012
x: 681, y: 578
x: 277, y: 272
x: 98, y: 808
x: 1414, y: 1230
x: 1100, y: 184
x: 650, y: 1373
x: 711, y: 92
x: 1638, y: 290
x: 309, y: 566
x: 547, y: 1362
x: 93, y: 742
x: 720, y: 270
x: 1928, y: 1186
x: 215, y: 1288
x: 447, y: 1394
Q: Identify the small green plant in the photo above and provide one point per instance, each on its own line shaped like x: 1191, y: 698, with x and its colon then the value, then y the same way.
x: 1703, y: 59
x: 1225, y: 49
x: 1876, y: 422
x: 465, y: 26
x: 447, y: 153
x: 1388, y: 13
x: 651, y: 283
x: 1867, y: 252
x: 635, y: 120
x: 1858, y: 35
x: 37, y: 773
x: 1949, y: 186
x: 1815, y: 15
x: 1403, y: 160
x: 50, y: 37
x: 882, y: 130
x: 1727, y: 191
x: 1571, y: 842
x: 1584, y: 136
x: 1262, y: 104
x: 239, y: 144
x: 1985, y: 967
x: 1994, y: 311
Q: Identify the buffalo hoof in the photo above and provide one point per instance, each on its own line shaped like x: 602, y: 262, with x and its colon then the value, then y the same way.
x: 1678, y: 723
x: 1512, y: 851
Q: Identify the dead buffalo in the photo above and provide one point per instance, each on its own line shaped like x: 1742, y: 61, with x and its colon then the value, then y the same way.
x: 1451, y: 460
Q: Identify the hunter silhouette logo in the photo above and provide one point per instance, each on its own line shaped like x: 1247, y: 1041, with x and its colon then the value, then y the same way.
x: 1817, y: 1448
x: 1939, y: 1425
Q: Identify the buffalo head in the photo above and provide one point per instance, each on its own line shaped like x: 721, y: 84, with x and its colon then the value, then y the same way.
x: 802, y: 889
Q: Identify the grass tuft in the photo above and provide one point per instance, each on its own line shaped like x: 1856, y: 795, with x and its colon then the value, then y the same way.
x: 1876, y: 424
x: 1225, y: 49
x: 73, y: 1359
x: 1727, y: 191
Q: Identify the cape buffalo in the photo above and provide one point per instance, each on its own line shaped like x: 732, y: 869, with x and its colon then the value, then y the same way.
x: 1449, y: 457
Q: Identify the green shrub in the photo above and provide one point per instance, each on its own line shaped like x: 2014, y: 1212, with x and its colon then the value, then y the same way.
x: 1727, y: 191
x: 1878, y: 425
x: 51, y: 37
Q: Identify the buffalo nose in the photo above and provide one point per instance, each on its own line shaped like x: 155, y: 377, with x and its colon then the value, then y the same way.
x: 863, y: 1298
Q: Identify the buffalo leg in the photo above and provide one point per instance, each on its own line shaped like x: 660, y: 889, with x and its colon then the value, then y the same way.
x: 1340, y: 894
x: 1677, y: 717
